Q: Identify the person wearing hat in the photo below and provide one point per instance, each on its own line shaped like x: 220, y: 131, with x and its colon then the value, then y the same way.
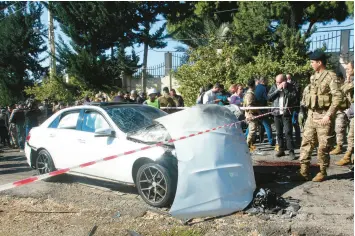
x: 152, y: 100
x: 322, y: 101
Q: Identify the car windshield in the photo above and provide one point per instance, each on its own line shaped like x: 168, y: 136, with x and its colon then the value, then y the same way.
x: 132, y: 118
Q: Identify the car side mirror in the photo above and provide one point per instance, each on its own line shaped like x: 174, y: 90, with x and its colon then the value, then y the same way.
x: 105, y: 132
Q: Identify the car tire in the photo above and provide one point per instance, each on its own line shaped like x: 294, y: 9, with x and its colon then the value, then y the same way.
x: 45, y: 164
x: 156, y: 185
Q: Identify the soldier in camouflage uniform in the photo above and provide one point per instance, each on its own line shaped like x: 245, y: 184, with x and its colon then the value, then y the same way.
x: 250, y: 101
x: 302, y: 116
x: 341, y: 122
x: 166, y: 100
x: 322, y: 102
x: 348, y: 91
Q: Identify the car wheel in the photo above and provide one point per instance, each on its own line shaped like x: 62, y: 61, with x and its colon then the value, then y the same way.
x: 44, y: 162
x: 155, y: 185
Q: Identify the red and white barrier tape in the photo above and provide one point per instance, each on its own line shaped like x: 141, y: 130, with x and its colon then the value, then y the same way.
x: 65, y: 170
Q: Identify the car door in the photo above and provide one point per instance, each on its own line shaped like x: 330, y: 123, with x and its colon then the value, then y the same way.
x: 93, y: 148
x: 62, y: 136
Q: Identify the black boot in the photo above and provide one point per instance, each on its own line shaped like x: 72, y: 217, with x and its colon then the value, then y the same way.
x: 280, y: 153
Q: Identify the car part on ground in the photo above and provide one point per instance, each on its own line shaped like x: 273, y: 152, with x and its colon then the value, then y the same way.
x: 267, y: 202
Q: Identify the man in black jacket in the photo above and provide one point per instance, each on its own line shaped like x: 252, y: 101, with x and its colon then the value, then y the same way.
x: 283, y: 95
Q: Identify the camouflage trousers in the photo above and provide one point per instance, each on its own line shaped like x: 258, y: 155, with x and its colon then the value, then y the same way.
x: 313, y: 131
x: 351, y: 136
x: 341, y: 123
x: 252, y: 131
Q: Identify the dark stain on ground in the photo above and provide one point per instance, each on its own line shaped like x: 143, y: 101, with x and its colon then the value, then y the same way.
x: 280, y: 163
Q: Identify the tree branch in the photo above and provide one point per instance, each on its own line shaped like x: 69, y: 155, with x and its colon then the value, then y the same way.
x: 310, y: 27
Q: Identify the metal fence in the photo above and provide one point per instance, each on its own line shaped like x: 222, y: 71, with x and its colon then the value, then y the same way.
x: 178, y: 60
x: 156, y: 71
x: 159, y: 70
x: 331, y: 40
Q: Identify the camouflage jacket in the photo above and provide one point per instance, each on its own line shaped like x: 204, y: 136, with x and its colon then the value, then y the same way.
x: 324, y: 93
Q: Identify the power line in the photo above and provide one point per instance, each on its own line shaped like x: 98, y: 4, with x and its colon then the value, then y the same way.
x: 8, y: 6
x: 15, y: 12
x: 335, y: 26
x: 327, y: 27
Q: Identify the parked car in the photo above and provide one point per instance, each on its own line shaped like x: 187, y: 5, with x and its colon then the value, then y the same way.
x: 86, y: 133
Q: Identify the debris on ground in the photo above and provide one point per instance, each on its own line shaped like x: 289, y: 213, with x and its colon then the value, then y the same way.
x: 267, y: 202
x: 133, y: 233
x: 93, y: 230
x: 118, y: 215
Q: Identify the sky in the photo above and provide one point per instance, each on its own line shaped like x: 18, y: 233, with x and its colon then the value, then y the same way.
x: 155, y: 58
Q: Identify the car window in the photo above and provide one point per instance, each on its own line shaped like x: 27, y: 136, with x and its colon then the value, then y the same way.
x: 92, y: 121
x: 129, y: 119
x: 68, y: 120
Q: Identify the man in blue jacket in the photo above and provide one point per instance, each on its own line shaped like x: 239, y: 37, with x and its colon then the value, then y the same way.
x: 261, y: 100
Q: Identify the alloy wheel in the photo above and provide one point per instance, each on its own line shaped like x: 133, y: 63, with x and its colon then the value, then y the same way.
x: 43, y: 164
x: 153, y: 184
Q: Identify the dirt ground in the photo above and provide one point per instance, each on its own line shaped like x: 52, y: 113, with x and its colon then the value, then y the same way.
x: 75, y: 205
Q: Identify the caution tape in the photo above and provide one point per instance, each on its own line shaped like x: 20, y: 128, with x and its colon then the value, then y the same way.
x: 65, y: 170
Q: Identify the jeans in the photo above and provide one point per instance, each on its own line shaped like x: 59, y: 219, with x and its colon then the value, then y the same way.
x: 21, y: 135
x: 267, y: 128
x: 283, y: 125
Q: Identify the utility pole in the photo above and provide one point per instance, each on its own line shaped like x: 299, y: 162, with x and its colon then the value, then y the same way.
x: 52, y: 67
x: 144, y: 74
x: 168, y: 67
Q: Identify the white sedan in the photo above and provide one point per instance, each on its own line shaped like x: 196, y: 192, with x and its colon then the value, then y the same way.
x: 81, y: 134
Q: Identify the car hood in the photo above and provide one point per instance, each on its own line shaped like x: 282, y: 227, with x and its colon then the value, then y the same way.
x: 215, y: 169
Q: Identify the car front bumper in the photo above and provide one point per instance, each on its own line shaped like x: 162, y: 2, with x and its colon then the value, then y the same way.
x: 28, y: 153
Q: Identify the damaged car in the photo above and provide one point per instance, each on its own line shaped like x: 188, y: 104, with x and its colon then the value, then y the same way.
x: 210, y: 174
x: 82, y: 134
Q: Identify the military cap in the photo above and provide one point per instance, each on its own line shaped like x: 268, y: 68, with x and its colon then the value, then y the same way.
x: 317, y: 55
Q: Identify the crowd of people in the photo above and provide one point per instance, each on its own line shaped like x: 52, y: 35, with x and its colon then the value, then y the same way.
x: 16, y: 120
x: 324, y: 109
x: 152, y: 98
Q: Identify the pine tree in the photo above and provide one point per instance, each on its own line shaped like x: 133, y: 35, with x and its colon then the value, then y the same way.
x: 21, y: 43
x: 93, y: 28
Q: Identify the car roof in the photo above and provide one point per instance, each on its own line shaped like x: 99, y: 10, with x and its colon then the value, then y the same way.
x: 105, y: 104
x: 98, y: 105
